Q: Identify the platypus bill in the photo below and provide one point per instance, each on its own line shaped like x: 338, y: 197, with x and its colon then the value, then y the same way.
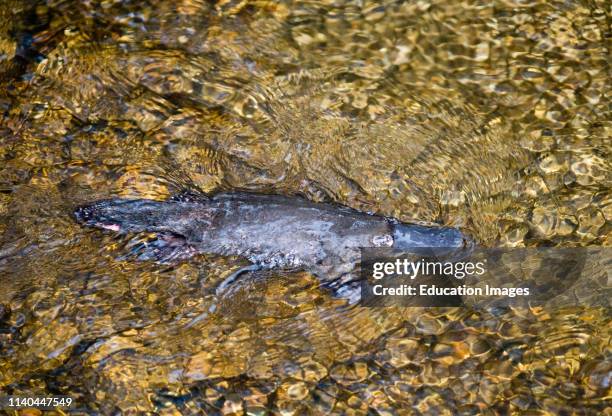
x: 270, y: 231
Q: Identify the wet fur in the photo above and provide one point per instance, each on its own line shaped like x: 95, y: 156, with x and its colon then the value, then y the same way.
x: 270, y: 231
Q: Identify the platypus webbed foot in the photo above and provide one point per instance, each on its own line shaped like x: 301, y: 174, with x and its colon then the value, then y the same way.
x: 224, y: 285
x: 161, y: 248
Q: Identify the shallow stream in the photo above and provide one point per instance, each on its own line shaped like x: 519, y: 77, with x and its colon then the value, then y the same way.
x: 493, y: 117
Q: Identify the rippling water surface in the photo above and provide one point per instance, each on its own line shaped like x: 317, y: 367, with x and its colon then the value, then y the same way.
x: 493, y: 117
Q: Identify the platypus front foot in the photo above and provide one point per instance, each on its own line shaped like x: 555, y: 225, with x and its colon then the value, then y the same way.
x: 225, y: 284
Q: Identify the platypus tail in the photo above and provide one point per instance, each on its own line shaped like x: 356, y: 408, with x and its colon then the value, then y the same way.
x: 164, y: 222
x: 190, y: 195
x: 121, y: 215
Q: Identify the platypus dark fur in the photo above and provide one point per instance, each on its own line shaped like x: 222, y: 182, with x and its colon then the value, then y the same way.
x: 270, y: 231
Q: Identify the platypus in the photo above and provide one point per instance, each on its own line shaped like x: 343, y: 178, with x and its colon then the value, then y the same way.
x: 271, y: 231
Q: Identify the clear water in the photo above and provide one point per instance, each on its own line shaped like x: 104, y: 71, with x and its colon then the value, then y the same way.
x: 489, y: 116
